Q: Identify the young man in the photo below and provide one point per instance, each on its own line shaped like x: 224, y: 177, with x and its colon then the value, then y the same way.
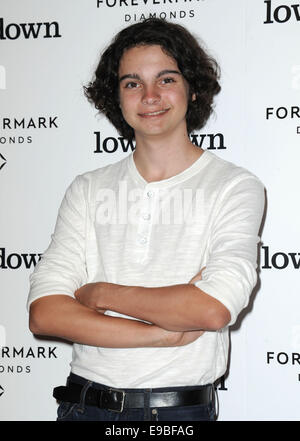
x: 152, y: 257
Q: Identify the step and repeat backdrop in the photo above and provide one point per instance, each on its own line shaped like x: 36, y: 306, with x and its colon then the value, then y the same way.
x: 49, y: 133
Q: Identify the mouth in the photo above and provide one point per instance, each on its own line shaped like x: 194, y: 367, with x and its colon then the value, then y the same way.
x: 152, y: 114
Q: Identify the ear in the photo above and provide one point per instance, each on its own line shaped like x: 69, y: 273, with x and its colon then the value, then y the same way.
x: 194, y: 97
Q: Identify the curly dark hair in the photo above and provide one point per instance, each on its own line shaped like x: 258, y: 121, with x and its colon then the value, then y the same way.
x: 197, y: 67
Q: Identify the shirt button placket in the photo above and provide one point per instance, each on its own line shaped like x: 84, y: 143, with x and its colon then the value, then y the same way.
x: 145, y: 223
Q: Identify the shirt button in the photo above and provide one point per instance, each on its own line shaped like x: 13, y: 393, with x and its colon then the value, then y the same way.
x: 150, y: 193
x: 146, y: 216
x: 142, y: 240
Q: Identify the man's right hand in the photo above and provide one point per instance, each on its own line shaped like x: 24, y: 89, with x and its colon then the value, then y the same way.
x: 198, y: 276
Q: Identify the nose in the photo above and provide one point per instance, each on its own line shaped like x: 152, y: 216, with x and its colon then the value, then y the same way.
x: 151, y: 95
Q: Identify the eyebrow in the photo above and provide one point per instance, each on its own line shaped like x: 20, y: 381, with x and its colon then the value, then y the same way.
x: 161, y: 73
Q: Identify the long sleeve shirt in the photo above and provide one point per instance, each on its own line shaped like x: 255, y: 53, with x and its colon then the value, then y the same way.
x: 114, y: 226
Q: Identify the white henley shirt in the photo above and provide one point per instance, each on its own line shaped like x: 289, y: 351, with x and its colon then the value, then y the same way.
x: 114, y: 226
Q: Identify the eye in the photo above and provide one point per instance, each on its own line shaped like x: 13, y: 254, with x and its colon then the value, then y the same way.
x: 131, y: 85
x: 167, y: 80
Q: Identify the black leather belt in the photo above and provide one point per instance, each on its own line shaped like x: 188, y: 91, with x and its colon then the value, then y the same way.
x: 117, y: 400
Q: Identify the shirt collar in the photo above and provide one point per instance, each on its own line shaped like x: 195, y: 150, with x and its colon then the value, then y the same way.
x: 174, y: 180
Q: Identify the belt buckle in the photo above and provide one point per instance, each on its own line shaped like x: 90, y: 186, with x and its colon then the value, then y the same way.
x: 115, y: 394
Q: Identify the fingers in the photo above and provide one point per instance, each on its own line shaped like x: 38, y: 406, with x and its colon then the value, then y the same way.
x: 198, y: 276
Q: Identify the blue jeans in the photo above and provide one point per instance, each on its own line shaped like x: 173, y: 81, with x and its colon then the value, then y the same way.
x: 82, y: 412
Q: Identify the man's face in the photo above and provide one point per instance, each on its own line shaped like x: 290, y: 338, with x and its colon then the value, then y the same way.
x: 153, y: 92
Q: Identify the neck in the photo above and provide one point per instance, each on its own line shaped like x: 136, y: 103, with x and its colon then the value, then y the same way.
x: 158, y: 159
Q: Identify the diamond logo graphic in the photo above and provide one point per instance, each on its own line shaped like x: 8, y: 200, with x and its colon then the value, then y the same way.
x: 2, y: 161
x: 1, y: 391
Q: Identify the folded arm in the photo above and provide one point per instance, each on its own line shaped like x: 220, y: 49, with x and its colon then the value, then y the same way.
x: 64, y: 317
x: 176, y: 308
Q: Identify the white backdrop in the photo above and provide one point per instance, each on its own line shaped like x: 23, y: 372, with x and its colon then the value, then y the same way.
x: 49, y: 133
